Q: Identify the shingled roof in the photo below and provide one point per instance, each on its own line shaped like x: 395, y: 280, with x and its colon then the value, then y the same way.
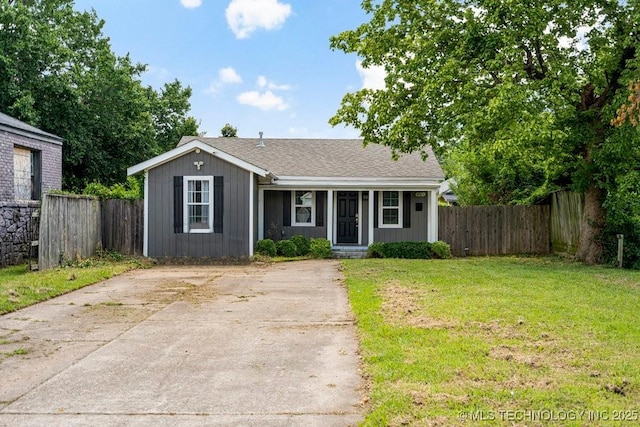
x: 325, y: 158
x: 9, y: 124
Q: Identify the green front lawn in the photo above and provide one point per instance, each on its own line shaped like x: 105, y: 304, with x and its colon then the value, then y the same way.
x: 497, y: 341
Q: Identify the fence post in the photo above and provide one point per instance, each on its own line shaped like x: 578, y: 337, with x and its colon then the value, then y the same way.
x: 620, y: 249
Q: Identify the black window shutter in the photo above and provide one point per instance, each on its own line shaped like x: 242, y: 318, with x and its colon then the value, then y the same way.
x: 286, y: 208
x: 320, y: 202
x: 36, y: 175
x: 178, y: 200
x: 218, y: 203
x: 375, y: 209
x: 406, y: 210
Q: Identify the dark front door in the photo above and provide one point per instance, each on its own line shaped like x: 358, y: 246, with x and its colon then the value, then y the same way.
x: 347, y: 217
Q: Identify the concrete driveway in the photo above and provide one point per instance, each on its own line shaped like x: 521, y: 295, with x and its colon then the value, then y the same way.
x: 214, y: 345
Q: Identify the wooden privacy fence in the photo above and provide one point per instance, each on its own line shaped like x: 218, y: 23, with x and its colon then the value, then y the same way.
x: 123, y: 226
x: 495, y: 230
x: 75, y: 227
x: 566, y: 213
x: 69, y: 229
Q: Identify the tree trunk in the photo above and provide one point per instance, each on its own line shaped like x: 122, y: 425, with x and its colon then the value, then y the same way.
x: 592, y: 224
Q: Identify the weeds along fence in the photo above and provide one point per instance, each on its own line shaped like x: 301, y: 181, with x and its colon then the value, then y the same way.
x: 75, y: 227
x: 495, y: 230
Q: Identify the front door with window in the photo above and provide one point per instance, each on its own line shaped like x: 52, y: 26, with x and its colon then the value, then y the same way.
x: 347, y: 217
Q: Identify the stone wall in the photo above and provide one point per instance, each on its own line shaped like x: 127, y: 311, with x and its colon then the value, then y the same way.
x: 17, y: 230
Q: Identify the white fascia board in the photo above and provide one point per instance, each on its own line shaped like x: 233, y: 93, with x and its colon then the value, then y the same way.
x: 354, y: 183
x: 189, y: 147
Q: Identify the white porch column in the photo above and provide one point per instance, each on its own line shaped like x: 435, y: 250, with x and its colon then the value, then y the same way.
x: 260, y: 213
x: 370, y: 222
x: 432, y: 226
x: 329, y: 216
x: 145, y: 237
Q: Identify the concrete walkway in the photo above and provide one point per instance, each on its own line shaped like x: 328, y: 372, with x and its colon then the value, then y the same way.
x: 250, y: 345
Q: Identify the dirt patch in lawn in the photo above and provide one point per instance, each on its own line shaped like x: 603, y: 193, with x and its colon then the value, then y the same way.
x: 401, y: 307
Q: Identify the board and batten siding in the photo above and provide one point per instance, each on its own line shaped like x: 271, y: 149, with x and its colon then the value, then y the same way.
x: 274, y: 218
x: 232, y: 242
x: 419, y: 219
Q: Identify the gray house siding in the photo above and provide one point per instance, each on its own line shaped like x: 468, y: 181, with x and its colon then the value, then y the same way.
x: 274, y: 227
x: 416, y: 232
x: 165, y: 242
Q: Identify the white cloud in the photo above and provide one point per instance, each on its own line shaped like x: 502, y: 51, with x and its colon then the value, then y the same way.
x: 266, y: 101
x: 372, y: 77
x: 229, y: 76
x: 263, y: 82
x: 191, y: 4
x: 246, y: 16
x: 226, y: 76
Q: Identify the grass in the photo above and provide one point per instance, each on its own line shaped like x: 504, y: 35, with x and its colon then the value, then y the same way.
x: 495, y: 341
x: 20, y: 288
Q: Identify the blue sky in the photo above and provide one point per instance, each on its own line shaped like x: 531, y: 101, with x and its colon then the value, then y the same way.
x: 260, y: 65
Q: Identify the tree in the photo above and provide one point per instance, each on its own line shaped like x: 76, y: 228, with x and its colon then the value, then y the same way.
x: 58, y: 73
x: 169, y: 110
x: 229, y: 131
x: 500, y: 77
x: 629, y: 111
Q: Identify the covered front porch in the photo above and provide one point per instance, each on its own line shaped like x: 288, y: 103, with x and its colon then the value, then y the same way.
x: 349, y: 216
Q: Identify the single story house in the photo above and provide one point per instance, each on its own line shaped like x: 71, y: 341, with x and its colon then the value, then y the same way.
x: 216, y: 197
x: 446, y: 195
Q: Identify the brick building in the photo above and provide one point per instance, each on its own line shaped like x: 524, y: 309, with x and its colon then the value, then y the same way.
x: 30, y: 164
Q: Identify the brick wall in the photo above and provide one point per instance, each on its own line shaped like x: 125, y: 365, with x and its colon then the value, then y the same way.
x: 17, y: 230
x: 51, y: 163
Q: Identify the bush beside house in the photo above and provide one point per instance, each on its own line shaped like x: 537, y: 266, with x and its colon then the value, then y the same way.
x: 410, y: 250
x: 266, y: 247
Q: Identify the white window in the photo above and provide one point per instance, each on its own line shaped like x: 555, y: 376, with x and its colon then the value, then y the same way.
x: 198, y: 204
x: 303, y: 206
x: 390, y: 210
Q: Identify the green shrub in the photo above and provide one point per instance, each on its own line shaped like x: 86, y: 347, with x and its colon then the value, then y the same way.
x: 440, y: 250
x: 286, y: 248
x: 408, y: 250
x: 302, y: 244
x: 131, y: 190
x: 320, y: 248
x: 266, y: 247
x: 375, y: 250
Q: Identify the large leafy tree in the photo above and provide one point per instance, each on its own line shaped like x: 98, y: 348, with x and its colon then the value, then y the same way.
x: 229, y: 131
x: 533, y: 83
x: 57, y: 72
x: 169, y: 108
